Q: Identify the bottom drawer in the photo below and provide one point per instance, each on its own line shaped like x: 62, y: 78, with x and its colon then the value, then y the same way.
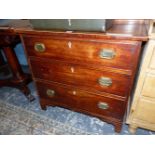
x: 73, y: 98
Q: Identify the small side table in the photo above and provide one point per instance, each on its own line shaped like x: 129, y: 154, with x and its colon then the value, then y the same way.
x: 19, y: 79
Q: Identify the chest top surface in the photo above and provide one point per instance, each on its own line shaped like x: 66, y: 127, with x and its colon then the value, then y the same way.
x: 121, y: 29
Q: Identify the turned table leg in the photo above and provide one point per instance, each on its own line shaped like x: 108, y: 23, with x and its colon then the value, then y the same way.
x: 19, y: 79
x: 13, y: 63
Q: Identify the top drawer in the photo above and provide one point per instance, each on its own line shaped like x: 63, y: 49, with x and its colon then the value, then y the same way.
x: 105, y: 53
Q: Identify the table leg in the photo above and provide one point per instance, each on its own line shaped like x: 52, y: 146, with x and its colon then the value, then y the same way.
x: 19, y: 78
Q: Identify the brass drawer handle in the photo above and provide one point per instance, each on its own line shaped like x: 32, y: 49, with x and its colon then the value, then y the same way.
x: 105, y: 81
x: 103, y: 105
x: 107, y: 54
x: 39, y: 47
x: 50, y: 92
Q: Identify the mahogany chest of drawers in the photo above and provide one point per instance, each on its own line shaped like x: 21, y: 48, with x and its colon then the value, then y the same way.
x: 92, y: 73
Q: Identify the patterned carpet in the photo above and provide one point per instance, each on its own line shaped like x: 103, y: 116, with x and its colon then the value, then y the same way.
x: 18, y: 116
x: 18, y: 121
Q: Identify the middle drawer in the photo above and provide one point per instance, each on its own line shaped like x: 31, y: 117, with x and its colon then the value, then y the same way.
x: 89, y: 79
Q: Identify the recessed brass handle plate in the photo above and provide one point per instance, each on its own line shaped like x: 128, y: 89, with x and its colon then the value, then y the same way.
x: 39, y: 47
x: 103, y: 105
x: 107, y: 54
x: 50, y: 92
x: 105, y: 81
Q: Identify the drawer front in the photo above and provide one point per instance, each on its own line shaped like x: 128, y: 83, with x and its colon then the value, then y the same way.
x: 145, y: 110
x: 74, y: 98
x: 111, y: 54
x: 149, y: 86
x: 79, y: 76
